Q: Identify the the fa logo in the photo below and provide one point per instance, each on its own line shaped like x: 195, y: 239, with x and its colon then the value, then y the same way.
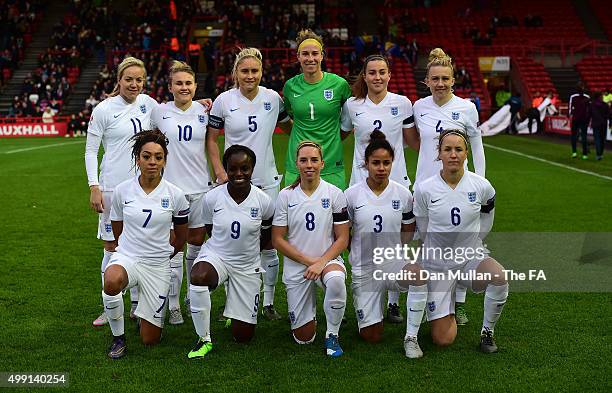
x: 325, y: 203
x: 254, y: 212
x: 472, y: 196
x: 267, y: 106
x: 143, y: 108
x: 431, y: 306
x: 360, y: 314
x: 202, y: 119
x: 108, y: 228
x: 328, y: 94
x: 394, y: 111
x: 165, y: 202
x: 455, y: 115
x: 395, y: 204
x: 292, y: 317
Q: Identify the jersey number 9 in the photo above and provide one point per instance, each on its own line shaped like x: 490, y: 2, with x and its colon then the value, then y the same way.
x: 235, y: 230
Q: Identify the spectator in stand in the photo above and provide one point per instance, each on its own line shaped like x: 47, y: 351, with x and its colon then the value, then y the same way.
x: 533, y: 113
x: 600, y: 115
x: 47, y: 115
x: 579, y: 112
x: 73, y: 126
x: 463, y: 78
x: 515, y: 103
x: 413, y: 52
x: 476, y: 100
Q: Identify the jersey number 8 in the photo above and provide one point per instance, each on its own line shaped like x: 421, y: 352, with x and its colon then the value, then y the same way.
x: 310, y: 221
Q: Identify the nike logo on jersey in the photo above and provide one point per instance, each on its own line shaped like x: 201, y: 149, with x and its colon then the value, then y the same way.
x: 166, y: 117
x: 233, y: 110
x: 217, y: 210
x: 128, y: 202
x: 432, y: 201
x: 423, y: 114
x: 296, y: 95
x: 294, y: 205
x: 111, y: 308
x: 116, y: 116
x: 273, y: 265
x: 157, y: 316
x: 360, y: 113
x: 359, y: 207
x: 415, y: 310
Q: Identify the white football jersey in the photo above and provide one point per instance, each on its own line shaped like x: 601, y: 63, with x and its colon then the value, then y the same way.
x: 116, y: 121
x: 431, y: 120
x: 391, y: 116
x: 453, y: 215
x: 376, y: 219
x: 251, y: 124
x: 310, y: 221
x: 147, y: 218
x: 186, y: 166
x: 237, y: 228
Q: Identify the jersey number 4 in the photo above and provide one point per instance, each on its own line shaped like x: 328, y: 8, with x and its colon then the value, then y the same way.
x: 439, y: 127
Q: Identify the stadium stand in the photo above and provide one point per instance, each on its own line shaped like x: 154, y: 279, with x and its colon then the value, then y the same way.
x: 533, y: 77
x: 596, y: 72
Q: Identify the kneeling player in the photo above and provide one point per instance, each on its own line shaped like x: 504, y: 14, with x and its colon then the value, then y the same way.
x: 311, y: 214
x: 142, y: 212
x: 237, y: 216
x: 380, y: 210
x: 454, y: 210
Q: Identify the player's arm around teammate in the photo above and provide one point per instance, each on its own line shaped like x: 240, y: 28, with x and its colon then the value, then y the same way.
x: 240, y: 215
x: 143, y: 208
x: 458, y: 204
x: 311, y: 229
x: 380, y: 211
x: 113, y: 122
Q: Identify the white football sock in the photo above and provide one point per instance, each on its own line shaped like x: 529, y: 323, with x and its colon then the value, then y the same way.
x: 269, y: 262
x: 200, y: 310
x: 460, y: 294
x: 494, y: 300
x: 415, y: 307
x: 192, y: 253
x: 176, y: 281
x: 113, y: 306
x: 334, y: 302
x: 393, y: 297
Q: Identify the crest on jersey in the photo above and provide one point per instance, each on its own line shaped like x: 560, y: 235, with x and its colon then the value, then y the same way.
x: 267, y: 106
x: 254, y: 212
x: 431, y: 306
x: 143, y: 108
x: 202, y: 119
x: 472, y: 196
x: 165, y: 202
x: 108, y: 228
x: 455, y: 115
x: 394, y: 111
x: 292, y: 316
x: 360, y: 314
x: 395, y: 204
x: 325, y: 203
x: 328, y: 94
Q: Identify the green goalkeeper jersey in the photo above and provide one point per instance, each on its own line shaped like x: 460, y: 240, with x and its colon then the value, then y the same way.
x: 315, y: 109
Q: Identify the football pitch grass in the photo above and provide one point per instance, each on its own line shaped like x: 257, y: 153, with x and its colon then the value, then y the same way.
x: 50, y: 293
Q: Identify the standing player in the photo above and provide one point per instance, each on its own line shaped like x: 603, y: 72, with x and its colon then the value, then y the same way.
x: 311, y: 214
x: 238, y: 217
x: 373, y: 107
x: 249, y: 113
x: 454, y: 210
x: 380, y: 211
x: 314, y: 100
x: 442, y: 111
x: 143, y: 209
x: 184, y: 123
x: 113, y: 122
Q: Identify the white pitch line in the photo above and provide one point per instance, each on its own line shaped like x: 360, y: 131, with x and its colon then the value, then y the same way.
x: 42, y: 147
x: 547, y: 161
